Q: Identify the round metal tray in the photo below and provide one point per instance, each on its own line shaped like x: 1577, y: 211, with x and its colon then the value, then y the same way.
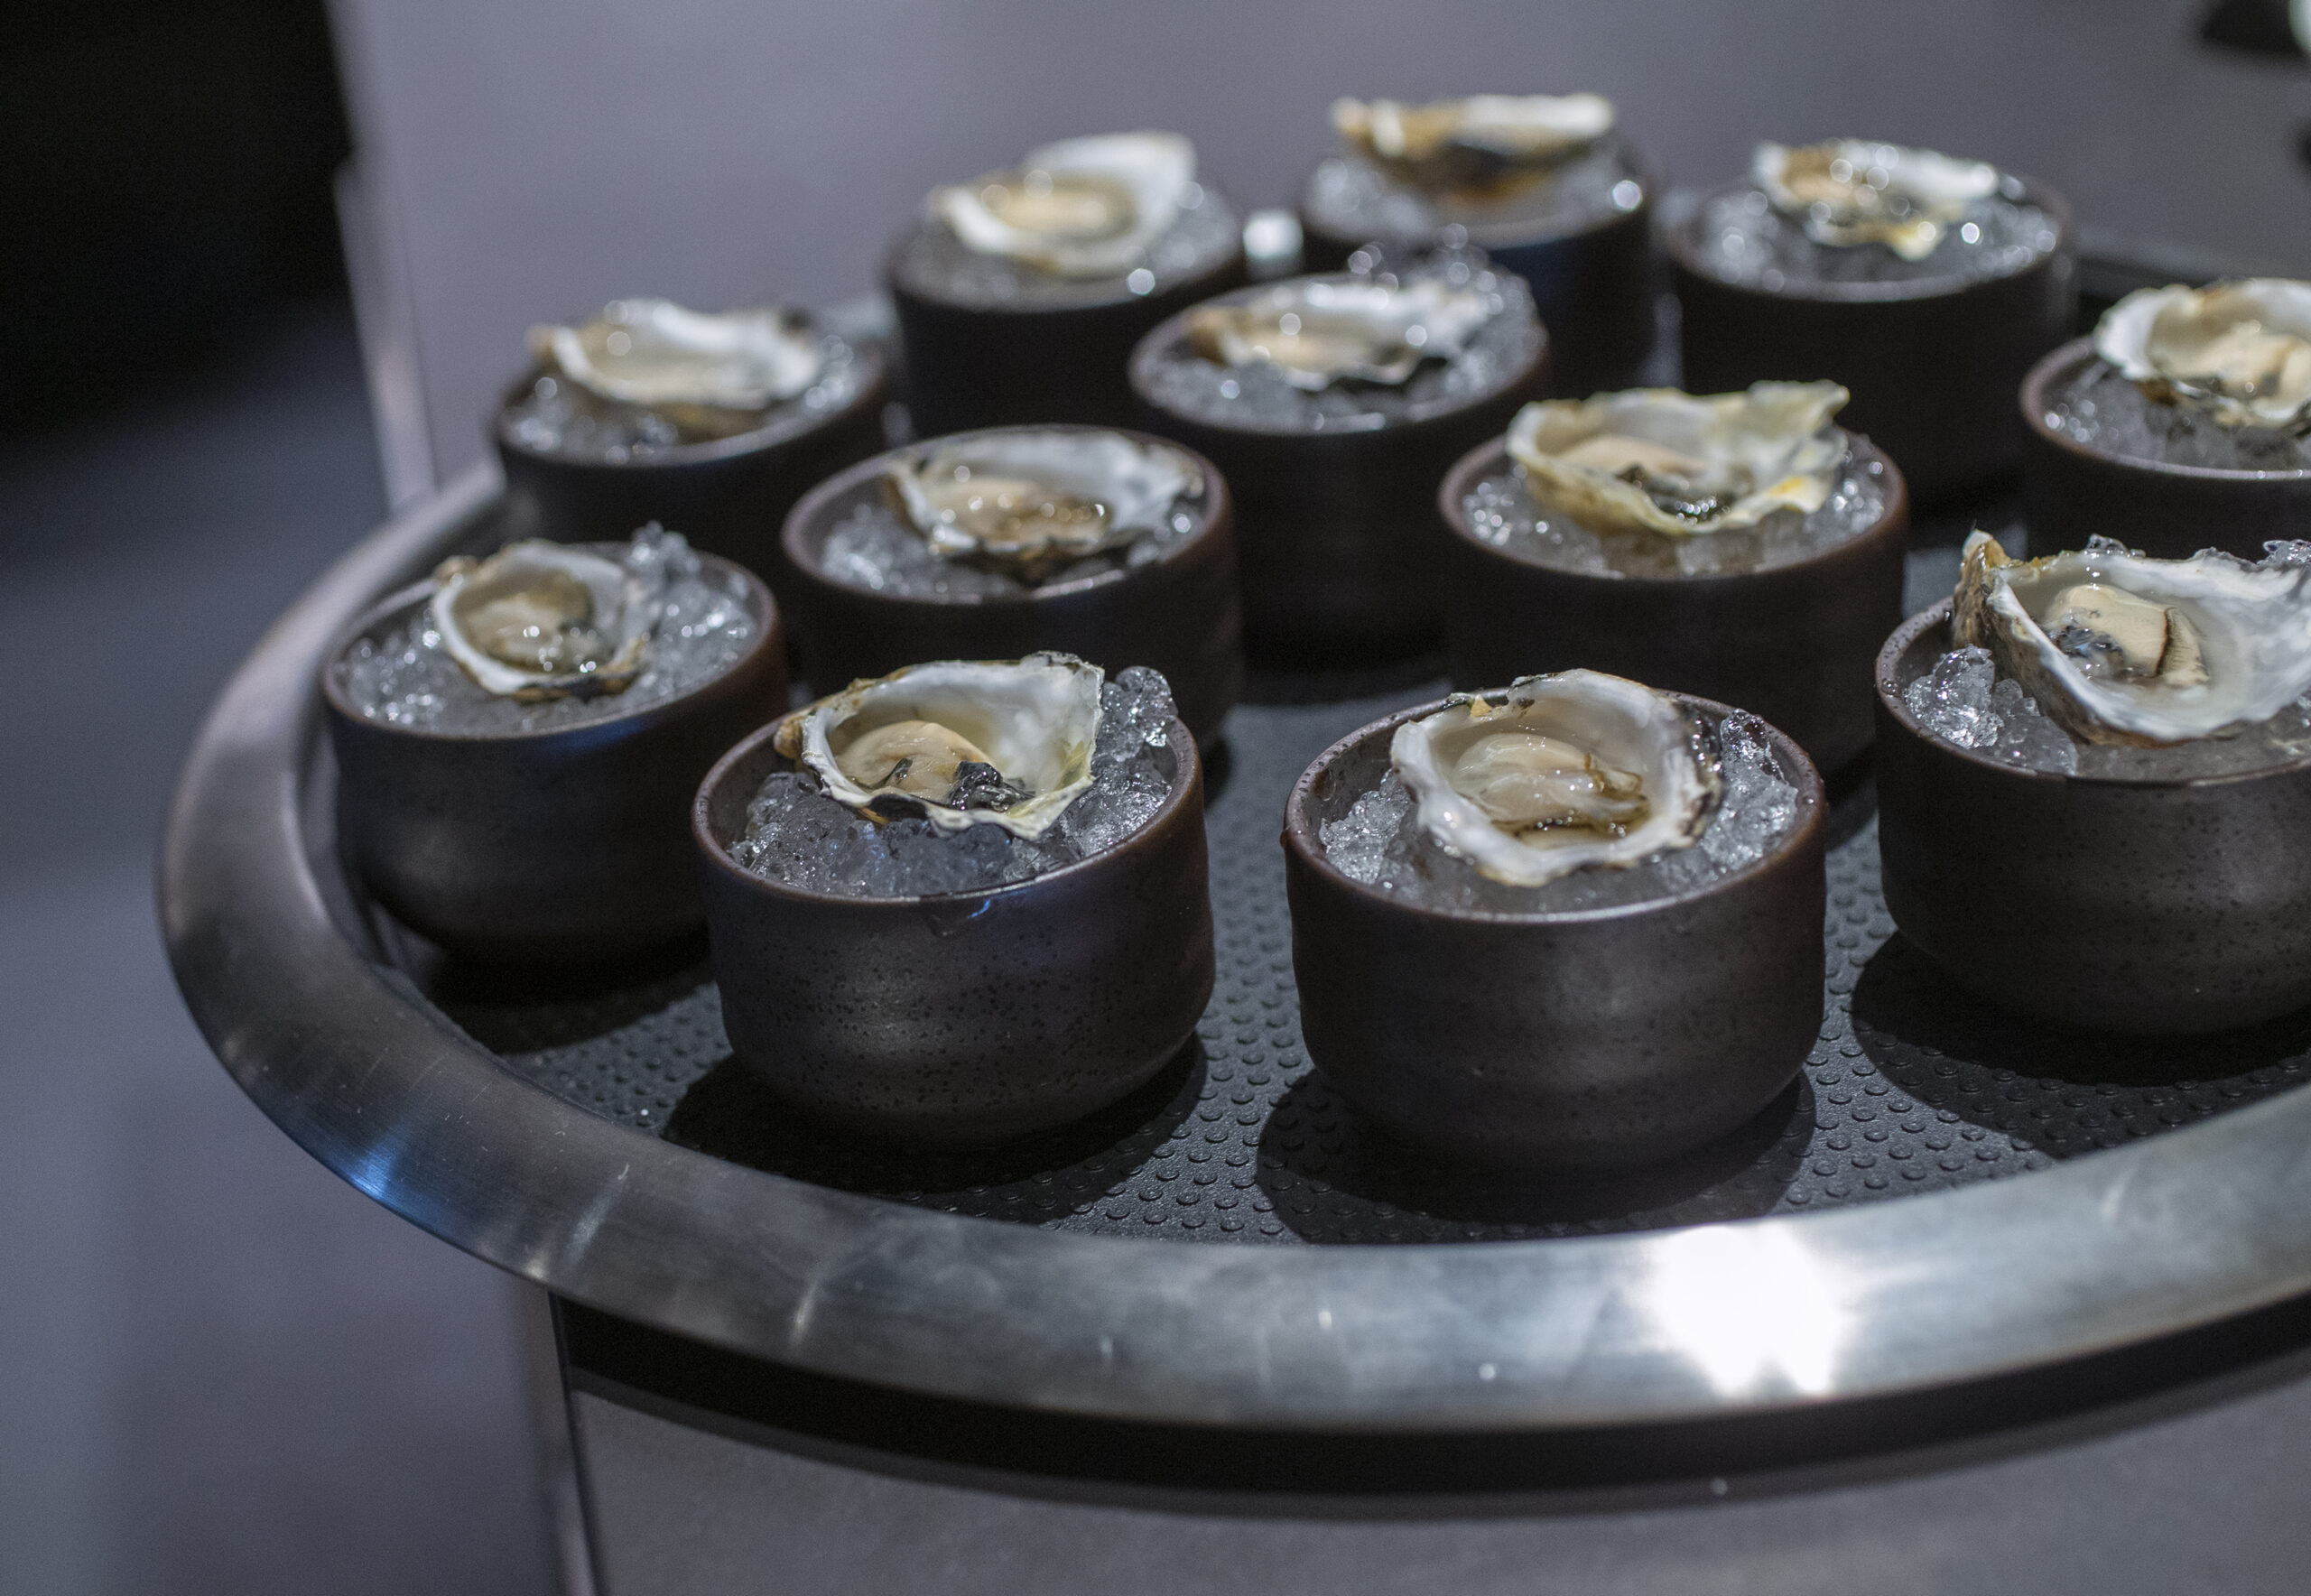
x: 596, y: 1147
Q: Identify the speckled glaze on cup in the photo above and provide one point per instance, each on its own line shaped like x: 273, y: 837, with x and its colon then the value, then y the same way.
x: 2071, y: 492
x: 1338, y: 538
x: 2154, y: 907
x: 968, y: 1019
x: 1555, y: 1042
x: 563, y: 844
x: 1594, y: 285
x: 1793, y: 643
x: 1933, y: 366
x: 1179, y: 613
x: 728, y: 497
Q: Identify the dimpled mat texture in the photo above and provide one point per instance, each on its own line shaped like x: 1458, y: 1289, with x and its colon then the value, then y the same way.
x: 1912, y: 1087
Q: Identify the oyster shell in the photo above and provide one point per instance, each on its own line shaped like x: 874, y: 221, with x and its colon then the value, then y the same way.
x: 696, y: 366
x: 539, y: 620
x: 1480, y: 143
x: 1320, y: 331
x: 1082, y: 208
x: 1568, y: 772
x: 966, y: 743
x: 1659, y: 459
x: 1031, y: 502
x: 2117, y: 647
x: 1851, y: 191
x: 2239, y: 351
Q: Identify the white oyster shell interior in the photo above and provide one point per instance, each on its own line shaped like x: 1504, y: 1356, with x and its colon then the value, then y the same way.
x: 2117, y: 647
x: 967, y: 743
x: 1481, y: 138
x: 542, y: 620
x: 1032, y: 500
x: 2240, y: 351
x: 1082, y: 208
x: 1569, y: 772
x: 1320, y: 331
x: 652, y: 352
x: 1851, y: 191
x: 1660, y: 460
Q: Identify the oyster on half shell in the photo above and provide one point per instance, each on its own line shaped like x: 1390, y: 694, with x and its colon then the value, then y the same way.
x: 1850, y: 191
x: 1568, y: 772
x: 961, y: 742
x: 539, y: 620
x: 2241, y: 350
x: 1031, y: 502
x: 1660, y: 460
x: 1320, y: 331
x: 1484, y: 143
x: 1082, y: 208
x: 2117, y: 647
x: 711, y: 372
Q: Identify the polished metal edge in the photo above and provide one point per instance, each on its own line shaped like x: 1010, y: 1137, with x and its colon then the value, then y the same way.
x: 1710, y: 1321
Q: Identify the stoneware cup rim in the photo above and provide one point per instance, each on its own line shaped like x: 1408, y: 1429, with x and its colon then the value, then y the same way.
x: 1498, y: 238
x: 888, y: 275
x: 2064, y: 362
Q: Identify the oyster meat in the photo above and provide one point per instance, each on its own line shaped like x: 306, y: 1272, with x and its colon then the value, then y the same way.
x: 1080, y: 207
x: 539, y: 620
x: 1481, y: 144
x: 711, y: 372
x: 2118, y: 648
x: 1659, y: 460
x: 963, y: 743
x: 1568, y: 772
x: 1321, y: 330
x: 1850, y: 191
x: 2240, y: 351
x: 1031, y: 502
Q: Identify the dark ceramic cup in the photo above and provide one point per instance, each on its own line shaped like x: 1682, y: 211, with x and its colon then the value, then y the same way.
x: 2162, y: 907
x: 2071, y: 492
x: 1058, y: 359
x: 1561, y: 1043
x: 1933, y: 366
x: 1179, y: 613
x: 562, y: 844
x: 969, y: 1019
x: 728, y: 497
x: 1338, y: 538
x: 1594, y: 283
x: 1794, y: 643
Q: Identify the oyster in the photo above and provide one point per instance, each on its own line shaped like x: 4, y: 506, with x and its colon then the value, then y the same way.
x: 1320, y: 331
x: 1855, y: 192
x: 1082, y: 208
x: 1483, y: 144
x: 1031, y: 502
x: 967, y: 743
x: 2241, y: 350
x: 710, y: 372
x: 2117, y: 647
x: 1659, y: 459
x: 1568, y: 772
x: 539, y: 620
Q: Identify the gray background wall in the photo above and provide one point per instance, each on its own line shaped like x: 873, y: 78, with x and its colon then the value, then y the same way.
x: 531, y: 158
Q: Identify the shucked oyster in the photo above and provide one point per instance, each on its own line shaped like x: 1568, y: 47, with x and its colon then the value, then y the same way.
x: 541, y: 620
x: 2119, y: 648
x: 1031, y: 502
x: 964, y: 743
x: 1569, y: 772
x: 1483, y: 144
x: 2240, y: 351
x: 1856, y: 192
x: 1659, y: 459
x: 711, y: 372
x: 1082, y: 208
x: 1320, y: 331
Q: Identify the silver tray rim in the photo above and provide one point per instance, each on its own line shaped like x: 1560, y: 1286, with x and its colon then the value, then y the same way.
x: 1706, y: 1322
